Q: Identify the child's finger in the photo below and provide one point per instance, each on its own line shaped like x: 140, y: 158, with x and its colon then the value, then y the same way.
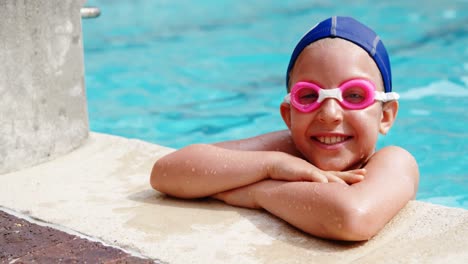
x: 333, y: 178
x: 358, y: 171
x: 318, y: 177
x: 351, y: 177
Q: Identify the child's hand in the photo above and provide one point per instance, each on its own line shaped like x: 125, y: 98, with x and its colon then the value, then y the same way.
x: 241, y: 197
x: 289, y: 168
x: 348, y: 177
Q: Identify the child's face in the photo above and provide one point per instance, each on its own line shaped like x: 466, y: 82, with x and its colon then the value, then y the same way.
x: 332, y: 137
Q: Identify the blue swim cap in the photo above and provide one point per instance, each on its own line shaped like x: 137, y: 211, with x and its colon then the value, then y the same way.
x: 352, y: 30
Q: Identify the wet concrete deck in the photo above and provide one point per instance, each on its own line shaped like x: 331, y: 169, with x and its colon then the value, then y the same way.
x: 24, y: 242
x: 101, y: 191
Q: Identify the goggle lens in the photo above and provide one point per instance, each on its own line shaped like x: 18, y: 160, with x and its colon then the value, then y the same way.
x: 306, y: 96
x: 355, y: 95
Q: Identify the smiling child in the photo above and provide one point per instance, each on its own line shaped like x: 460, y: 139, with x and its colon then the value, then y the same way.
x: 323, y: 175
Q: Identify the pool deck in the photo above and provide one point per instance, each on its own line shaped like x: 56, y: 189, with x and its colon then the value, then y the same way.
x: 24, y: 241
x: 100, y: 192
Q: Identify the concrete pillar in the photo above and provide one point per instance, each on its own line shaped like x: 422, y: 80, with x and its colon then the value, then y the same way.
x: 43, y: 112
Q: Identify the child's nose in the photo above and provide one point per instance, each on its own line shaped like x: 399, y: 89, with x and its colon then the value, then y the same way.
x: 330, y: 111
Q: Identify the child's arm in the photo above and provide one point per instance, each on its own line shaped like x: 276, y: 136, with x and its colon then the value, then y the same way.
x: 337, y: 211
x: 204, y: 170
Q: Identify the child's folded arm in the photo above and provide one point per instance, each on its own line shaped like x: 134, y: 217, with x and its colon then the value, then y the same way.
x: 337, y: 211
x: 356, y: 212
x: 201, y: 170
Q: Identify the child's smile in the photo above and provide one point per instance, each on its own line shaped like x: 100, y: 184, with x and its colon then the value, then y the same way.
x: 330, y: 140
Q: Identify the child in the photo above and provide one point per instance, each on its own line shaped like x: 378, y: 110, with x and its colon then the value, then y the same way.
x: 322, y: 175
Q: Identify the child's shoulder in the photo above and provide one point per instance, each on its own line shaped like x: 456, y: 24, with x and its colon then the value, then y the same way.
x: 394, y: 152
x: 272, y: 141
x: 396, y: 160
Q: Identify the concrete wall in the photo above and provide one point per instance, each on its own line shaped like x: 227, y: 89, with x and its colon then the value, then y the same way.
x: 43, y: 111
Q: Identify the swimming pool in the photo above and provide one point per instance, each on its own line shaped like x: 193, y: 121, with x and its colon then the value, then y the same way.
x: 181, y: 72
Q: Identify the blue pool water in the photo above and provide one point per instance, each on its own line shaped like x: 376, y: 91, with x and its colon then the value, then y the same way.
x: 181, y: 72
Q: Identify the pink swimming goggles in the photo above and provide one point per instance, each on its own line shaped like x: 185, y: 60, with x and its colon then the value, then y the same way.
x: 353, y: 94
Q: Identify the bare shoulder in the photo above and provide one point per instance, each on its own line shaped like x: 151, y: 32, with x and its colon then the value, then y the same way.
x: 395, y: 157
x: 393, y: 164
x: 273, y: 141
x: 395, y: 151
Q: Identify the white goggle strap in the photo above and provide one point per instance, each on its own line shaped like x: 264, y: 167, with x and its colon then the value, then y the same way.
x: 385, y: 97
x: 330, y: 93
x: 287, y: 98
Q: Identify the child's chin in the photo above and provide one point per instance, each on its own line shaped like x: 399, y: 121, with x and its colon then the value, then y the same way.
x: 334, y: 164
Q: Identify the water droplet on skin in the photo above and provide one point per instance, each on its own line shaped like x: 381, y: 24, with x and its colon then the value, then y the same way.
x: 340, y: 226
x: 225, y: 166
x: 164, y: 174
x: 309, y: 208
x: 206, y: 172
x: 193, y: 169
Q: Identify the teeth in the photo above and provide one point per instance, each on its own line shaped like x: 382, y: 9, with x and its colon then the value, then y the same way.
x: 331, y: 140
